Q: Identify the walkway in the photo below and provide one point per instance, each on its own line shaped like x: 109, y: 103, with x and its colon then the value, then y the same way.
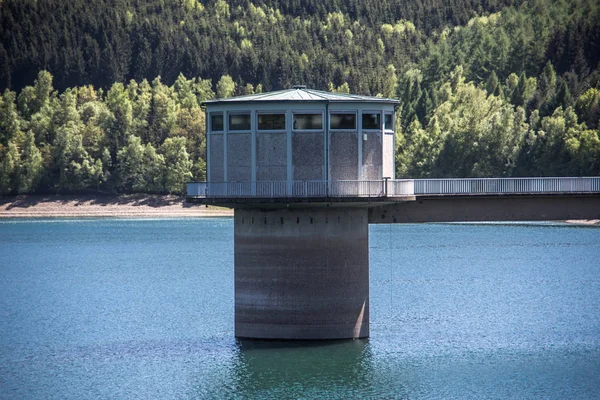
x: 394, y: 188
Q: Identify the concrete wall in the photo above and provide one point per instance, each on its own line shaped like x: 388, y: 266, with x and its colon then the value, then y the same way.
x: 239, y: 157
x: 271, y: 156
x: 216, y: 166
x: 388, y: 164
x: 308, y: 156
x: 301, y: 273
x: 299, y: 155
x: 343, y: 153
x: 489, y: 208
x: 371, y: 156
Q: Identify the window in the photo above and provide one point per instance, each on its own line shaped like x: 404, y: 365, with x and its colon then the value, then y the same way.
x: 389, y: 122
x: 271, y: 122
x: 343, y: 121
x: 216, y: 122
x: 239, y: 122
x: 308, y: 121
x: 371, y: 121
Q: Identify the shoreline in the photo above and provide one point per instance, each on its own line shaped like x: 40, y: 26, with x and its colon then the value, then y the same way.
x: 589, y: 222
x: 92, y: 206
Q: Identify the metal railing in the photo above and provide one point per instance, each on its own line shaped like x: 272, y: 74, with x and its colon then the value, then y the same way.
x: 394, y: 188
x: 309, y: 189
x: 277, y: 189
x: 401, y: 186
x: 487, y: 186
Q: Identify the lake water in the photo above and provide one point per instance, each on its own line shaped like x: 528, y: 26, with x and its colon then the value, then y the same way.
x: 123, y: 309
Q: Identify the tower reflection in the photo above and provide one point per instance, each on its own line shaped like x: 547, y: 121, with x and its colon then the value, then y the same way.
x: 276, y: 369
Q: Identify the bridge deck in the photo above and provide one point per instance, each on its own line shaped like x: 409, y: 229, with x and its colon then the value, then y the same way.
x: 506, y: 207
x: 237, y: 194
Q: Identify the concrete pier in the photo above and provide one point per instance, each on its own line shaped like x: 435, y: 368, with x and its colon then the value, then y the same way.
x: 302, y: 273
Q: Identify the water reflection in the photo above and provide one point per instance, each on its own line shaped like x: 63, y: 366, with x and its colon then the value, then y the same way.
x: 276, y: 369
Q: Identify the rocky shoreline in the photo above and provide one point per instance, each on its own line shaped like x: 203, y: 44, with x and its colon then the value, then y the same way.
x: 583, y: 221
x: 124, y: 206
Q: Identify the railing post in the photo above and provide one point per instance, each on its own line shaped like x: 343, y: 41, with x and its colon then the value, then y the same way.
x: 385, y: 186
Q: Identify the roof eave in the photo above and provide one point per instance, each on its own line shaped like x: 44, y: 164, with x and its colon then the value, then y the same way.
x: 232, y: 101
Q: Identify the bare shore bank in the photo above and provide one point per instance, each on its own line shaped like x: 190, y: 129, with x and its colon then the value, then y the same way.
x: 584, y: 221
x: 124, y: 206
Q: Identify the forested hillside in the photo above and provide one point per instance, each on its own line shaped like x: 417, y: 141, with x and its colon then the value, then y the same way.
x: 104, y: 95
x: 273, y: 42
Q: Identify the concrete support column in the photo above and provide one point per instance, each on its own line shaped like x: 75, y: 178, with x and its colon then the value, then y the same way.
x: 302, y: 273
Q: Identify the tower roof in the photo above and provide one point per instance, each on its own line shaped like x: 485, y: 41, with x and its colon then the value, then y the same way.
x: 302, y: 94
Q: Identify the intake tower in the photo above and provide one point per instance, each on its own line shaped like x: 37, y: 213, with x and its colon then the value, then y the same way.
x: 301, y: 168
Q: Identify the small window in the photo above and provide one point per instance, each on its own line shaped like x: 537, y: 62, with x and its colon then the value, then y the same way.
x: 216, y: 122
x: 371, y: 121
x: 389, y: 122
x: 308, y: 121
x: 343, y: 121
x: 271, y: 122
x: 239, y: 122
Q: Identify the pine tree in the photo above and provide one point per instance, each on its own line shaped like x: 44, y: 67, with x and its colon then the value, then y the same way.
x: 30, y: 170
x: 130, y: 171
x: 225, y: 87
x: 179, y: 170
x: 492, y: 83
x: 9, y: 117
x: 9, y: 163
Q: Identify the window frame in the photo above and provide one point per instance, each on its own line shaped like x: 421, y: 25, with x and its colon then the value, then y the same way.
x: 341, y: 112
x: 266, y: 112
x: 210, y: 119
x: 370, y: 112
x: 308, y: 112
x: 238, y: 113
x: 385, y: 127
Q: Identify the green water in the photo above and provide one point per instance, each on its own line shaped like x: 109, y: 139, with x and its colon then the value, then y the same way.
x: 123, y: 309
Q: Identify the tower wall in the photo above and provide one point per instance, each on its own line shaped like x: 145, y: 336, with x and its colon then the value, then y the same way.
x: 302, y: 273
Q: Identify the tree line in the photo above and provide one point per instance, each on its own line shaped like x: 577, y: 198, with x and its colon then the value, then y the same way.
x: 488, y: 88
x: 514, y: 93
x: 140, y: 137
